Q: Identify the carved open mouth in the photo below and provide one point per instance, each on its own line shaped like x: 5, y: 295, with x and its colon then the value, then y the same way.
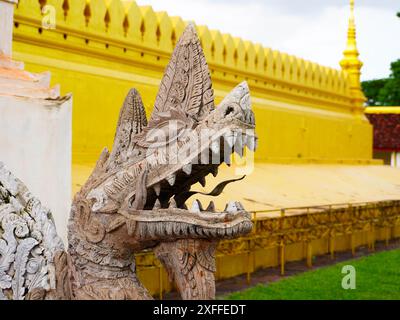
x: 155, y: 190
x: 173, y: 187
x: 166, y: 212
x: 150, y: 173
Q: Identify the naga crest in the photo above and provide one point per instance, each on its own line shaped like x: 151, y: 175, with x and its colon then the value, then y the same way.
x: 136, y: 198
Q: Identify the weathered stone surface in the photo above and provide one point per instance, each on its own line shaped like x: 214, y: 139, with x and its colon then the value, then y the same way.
x: 136, y: 197
x: 29, y: 243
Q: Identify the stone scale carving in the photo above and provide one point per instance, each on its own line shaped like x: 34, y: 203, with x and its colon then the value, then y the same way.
x: 136, y: 197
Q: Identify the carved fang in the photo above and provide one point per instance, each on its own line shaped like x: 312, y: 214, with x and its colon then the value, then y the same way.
x: 240, y: 206
x: 211, y: 207
x: 232, y: 207
x: 239, y: 147
x: 215, y: 147
x: 187, y: 168
x: 251, y: 144
x: 141, y: 191
x: 171, y: 179
x: 172, y: 204
x: 204, y: 159
x: 157, y: 205
x: 196, y: 207
x: 230, y: 140
x: 157, y: 189
x: 215, y: 171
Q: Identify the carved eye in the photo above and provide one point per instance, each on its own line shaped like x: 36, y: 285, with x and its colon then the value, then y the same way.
x: 229, y: 110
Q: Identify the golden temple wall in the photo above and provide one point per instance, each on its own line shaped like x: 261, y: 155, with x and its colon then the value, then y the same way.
x: 100, y: 49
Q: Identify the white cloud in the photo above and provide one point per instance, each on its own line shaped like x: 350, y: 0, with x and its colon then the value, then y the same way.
x: 317, y: 35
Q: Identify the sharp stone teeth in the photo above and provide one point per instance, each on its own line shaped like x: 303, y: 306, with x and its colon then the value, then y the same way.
x: 232, y: 207
x: 251, y: 144
x: 196, y: 207
x: 239, y: 151
x: 172, y: 204
x: 203, y: 181
x: 215, y: 147
x: 157, y: 189
x: 171, y: 179
x: 157, y: 205
x: 239, y: 147
x: 230, y: 140
x: 204, y: 159
x: 211, y: 207
x: 187, y: 168
x: 240, y: 206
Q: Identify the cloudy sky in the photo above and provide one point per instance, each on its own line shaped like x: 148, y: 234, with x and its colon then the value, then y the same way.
x: 311, y: 29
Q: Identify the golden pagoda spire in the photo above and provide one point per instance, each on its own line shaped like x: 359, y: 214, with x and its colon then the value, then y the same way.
x: 351, y: 63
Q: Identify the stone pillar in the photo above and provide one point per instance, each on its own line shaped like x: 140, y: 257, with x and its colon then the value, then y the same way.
x: 6, y: 25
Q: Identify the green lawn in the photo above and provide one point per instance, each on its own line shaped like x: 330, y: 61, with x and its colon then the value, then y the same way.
x: 377, y: 277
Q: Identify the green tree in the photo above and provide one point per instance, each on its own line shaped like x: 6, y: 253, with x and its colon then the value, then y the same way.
x: 371, y: 90
x: 384, y: 92
x: 389, y: 95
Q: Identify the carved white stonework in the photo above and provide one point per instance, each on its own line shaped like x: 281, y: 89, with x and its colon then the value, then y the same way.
x: 6, y: 25
x: 28, y: 241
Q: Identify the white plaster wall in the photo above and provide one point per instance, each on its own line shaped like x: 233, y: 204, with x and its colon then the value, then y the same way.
x: 35, y: 145
x: 6, y: 25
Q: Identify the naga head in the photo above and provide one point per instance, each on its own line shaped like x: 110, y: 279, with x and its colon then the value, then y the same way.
x: 145, y: 182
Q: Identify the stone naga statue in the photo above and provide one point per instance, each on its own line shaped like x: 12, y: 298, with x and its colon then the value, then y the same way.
x: 135, y: 198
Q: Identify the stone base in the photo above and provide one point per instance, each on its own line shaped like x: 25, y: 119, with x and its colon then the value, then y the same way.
x: 35, y: 144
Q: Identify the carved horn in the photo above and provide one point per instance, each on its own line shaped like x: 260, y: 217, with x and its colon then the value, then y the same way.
x: 132, y: 121
x: 186, y: 85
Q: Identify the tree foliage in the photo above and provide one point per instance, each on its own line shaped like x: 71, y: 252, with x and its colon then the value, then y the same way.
x: 390, y: 93
x: 371, y: 90
x: 384, y: 92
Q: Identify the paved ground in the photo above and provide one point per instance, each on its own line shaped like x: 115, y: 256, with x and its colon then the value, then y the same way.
x: 268, y: 275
